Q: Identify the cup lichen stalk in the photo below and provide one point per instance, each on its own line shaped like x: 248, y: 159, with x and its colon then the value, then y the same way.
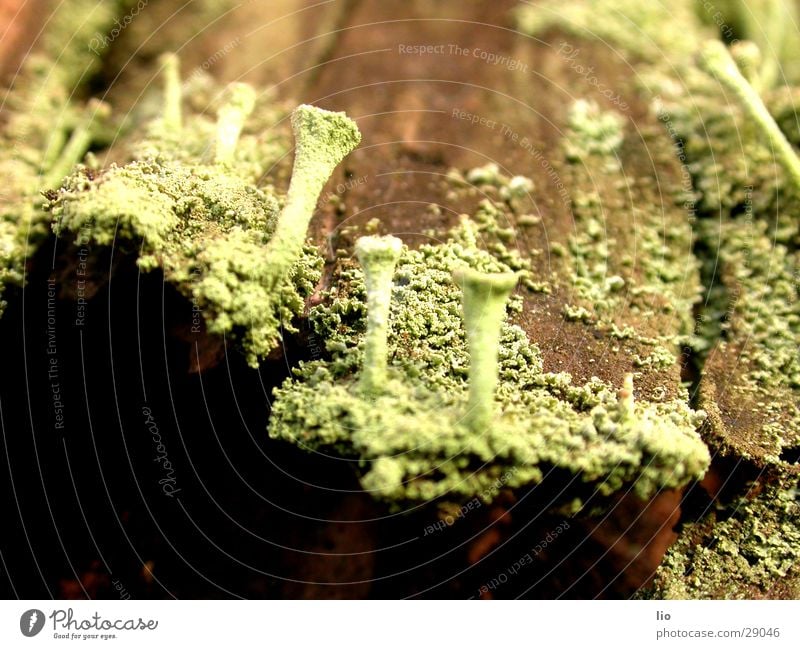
x: 241, y: 99
x: 322, y: 139
x: 626, y: 400
x: 173, y: 120
x: 426, y: 435
x: 717, y: 61
x: 749, y: 60
x: 78, y: 143
x: 378, y: 257
x: 484, y: 303
x: 771, y: 24
x: 56, y: 142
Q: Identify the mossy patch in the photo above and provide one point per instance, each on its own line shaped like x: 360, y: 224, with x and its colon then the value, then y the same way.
x: 45, y: 130
x: 206, y: 229
x: 745, y: 198
x: 191, y: 207
x: 750, y: 549
x: 411, y: 442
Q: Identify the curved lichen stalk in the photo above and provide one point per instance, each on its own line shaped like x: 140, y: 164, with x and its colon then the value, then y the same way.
x: 241, y: 99
x: 221, y: 239
x: 626, y: 400
x: 78, y: 144
x: 749, y: 61
x: 378, y: 256
x: 172, y: 117
x: 322, y: 139
x: 484, y: 300
x: 717, y: 61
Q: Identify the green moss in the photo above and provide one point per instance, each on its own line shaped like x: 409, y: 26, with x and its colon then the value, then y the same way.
x: 745, y: 193
x: 750, y: 549
x: 650, y: 30
x: 233, y: 248
x: 609, y: 224
x: 45, y: 130
x: 412, y: 442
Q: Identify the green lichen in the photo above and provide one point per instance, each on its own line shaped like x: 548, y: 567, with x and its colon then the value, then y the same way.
x: 593, y: 132
x: 46, y: 131
x: 172, y: 119
x: 717, y: 61
x: 771, y: 25
x: 747, y: 175
x: 322, y: 140
x: 760, y: 333
x: 484, y: 302
x: 650, y: 30
x: 512, y: 190
x: 732, y: 122
x: 749, y: 549
x: 606, y: 280
x: 231, y: 247
x: 413, y: 441
x: 378, y: 257
x: 722, y: 126
x: 733, y: 166
x: 231, y: 119
x: 742, y: 168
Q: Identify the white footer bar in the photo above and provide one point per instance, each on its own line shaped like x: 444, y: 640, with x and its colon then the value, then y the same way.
x: 406, y: 625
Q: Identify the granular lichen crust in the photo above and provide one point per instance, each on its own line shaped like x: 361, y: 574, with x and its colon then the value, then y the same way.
x: 628, y: 261
x: 191, y: 206
x: 45, y: 131
x: 650, y: 31
x: 412, y: 442
x: 755, y: 411
x: 206, y: 229
x: 617, y: 267
x: 750, y: 549
x: 745, y: 198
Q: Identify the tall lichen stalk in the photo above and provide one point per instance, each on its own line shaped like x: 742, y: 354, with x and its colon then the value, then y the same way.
x: 78, y: 144
x: 231, y: 119
x: 484, y: 301
x: 173, y: 117
x: 191, y: 197
x: 322, y: 140
x: 378, y: 257
x: 717, y: 61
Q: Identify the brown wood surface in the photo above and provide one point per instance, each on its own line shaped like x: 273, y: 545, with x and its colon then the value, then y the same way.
x: 345, y: 55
